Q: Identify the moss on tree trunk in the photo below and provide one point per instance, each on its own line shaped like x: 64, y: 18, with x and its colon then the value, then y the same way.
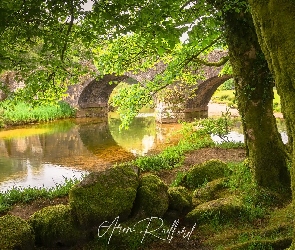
x: 274, y: 22
x: 254, y: 92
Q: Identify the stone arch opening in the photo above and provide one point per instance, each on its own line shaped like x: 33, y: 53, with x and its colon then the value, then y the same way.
x: 204, y: 92
x: 94, y: 97
x: 194, y: 107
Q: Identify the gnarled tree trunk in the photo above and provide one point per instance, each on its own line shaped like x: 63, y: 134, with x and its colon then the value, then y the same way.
x: 274, y: 22
x: 254, y: 94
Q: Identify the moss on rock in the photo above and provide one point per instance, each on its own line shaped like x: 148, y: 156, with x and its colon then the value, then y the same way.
x: 15, y: 233
x: 179, y: 198
x: 205, y: 172
x: 210, y: 191
x: 104, y: 195
x: 152, y: 196
x: 220, y: 209
x: 55, y: 226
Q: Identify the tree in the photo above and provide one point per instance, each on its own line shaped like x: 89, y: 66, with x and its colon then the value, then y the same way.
x: 274, y: 21
x: 213, y: 21
x: 42, y: 42
x: 254, y: 93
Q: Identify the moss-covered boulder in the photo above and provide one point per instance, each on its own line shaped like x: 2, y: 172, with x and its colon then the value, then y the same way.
x: 180, y: 198
x: 222, y: 209
x: 15, y: 233
x: 205, y: 172
x: 152, y: 196
x: 56, y: 226
x: 210, y: 191
x: 102, y: 196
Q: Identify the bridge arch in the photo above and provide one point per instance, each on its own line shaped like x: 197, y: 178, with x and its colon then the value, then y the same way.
x: 91, y: 97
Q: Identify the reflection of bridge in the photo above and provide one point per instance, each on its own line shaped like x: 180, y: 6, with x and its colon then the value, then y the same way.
x: 87, y: 145
x: 91, y: 97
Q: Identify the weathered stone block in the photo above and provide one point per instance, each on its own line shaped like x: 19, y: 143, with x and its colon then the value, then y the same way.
x: 222, y: 209
x: 205, y: 172
x: 152, y: 196
x: 179, y: 198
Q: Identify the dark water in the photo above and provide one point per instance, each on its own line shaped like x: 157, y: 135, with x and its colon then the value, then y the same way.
x: 43, y: 155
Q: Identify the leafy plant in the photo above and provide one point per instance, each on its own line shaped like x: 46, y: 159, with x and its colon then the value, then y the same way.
x: 220, y: 126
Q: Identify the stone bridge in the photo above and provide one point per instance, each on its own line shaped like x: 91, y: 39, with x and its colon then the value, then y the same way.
x: 92, y: 96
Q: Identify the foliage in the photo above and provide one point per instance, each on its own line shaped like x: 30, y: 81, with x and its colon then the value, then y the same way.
x: 228, y: 85
x: 42, y: 43
x: 220, y: 126
x: 19, y: 195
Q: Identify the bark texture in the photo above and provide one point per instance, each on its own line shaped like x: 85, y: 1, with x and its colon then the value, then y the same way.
x: 274, y: 22
x: 254, y: 92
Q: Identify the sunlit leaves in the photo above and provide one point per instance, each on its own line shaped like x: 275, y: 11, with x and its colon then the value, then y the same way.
x: 129, y: 101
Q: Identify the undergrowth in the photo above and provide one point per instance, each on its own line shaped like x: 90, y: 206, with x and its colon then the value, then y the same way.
x: 25, y: 195
x: 195, y: 135
x: 21, y: 112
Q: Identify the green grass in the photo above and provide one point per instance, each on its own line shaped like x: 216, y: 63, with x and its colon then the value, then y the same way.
x: 18, y: 195
x: 228, y: 97
x: 224, y: 97
x: 22, y: 112
x: 173, y: 156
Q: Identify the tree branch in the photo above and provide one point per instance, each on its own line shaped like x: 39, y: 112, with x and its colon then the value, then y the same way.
x: 221, y: 62
x: 68, y: 33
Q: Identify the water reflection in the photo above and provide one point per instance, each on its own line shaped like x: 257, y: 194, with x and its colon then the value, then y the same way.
x: 139, y: 139
x: 236, y: 135
x: 71, y: 148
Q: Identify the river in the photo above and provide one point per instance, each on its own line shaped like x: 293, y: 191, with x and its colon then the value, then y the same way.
x: 44, y: 155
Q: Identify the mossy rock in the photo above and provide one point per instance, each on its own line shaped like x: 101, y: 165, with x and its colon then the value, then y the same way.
x: 222, y: 209
x: 205, y: 172
x: 180, y: 198
x: 209, y: 191
x: 15, y: 233
x: 56, y: 226
x: 102, y: 196
x: 152, y: 196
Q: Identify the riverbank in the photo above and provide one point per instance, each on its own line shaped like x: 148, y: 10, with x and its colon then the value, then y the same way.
x: 216, y: 109
x: 224, y: 206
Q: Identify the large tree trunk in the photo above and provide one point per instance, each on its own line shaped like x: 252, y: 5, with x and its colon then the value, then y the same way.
x: 254, y: 92
x: 274, y: 22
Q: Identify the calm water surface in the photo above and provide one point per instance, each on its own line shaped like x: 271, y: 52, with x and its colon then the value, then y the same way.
x: 44, y: 155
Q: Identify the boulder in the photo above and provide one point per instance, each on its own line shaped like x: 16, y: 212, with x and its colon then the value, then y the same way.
x: 205, y: 172
x: 103, y: 196
x: 15, y: 233
x: 55, y: 226
x: 222, y: 209
x: 152, y: 196
x: 179, y: 198
x: 210, y: 191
